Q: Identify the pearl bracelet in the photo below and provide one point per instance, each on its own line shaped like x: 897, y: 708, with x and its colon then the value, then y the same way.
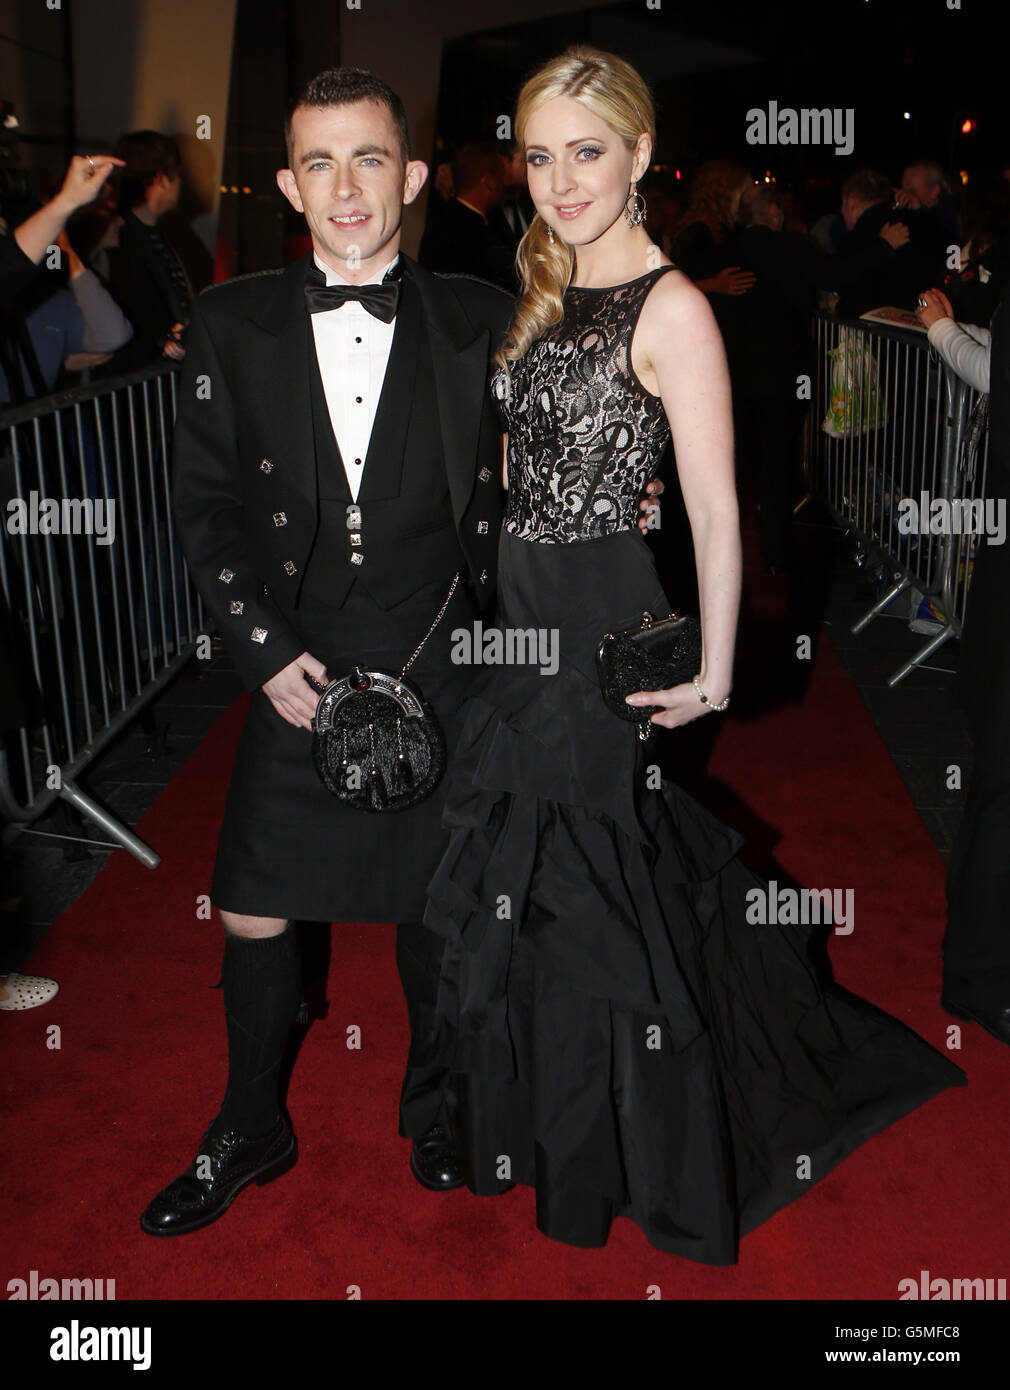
x: 704, y: 698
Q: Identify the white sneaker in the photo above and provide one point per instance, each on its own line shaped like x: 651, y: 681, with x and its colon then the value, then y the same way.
x: 27, y: 991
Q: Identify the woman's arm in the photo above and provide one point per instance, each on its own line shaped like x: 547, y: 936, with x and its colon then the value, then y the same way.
x: 677, y: 352
x: 83, y: 179
x: 106, y: 327
x: 965, y: 350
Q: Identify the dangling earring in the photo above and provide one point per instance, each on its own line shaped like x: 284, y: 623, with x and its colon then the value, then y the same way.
x: 635, y: 214
x: 550, y: 234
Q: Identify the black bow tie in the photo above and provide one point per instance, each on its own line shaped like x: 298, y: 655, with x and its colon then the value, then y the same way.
x: 380, y: 300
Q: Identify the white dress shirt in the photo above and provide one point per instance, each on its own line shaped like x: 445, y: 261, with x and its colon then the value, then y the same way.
x: 352, y: 348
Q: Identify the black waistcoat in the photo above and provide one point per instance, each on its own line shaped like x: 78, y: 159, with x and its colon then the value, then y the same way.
x: 402, y: 538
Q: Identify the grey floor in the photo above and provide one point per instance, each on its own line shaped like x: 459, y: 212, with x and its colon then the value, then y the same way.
x: 919, y: 721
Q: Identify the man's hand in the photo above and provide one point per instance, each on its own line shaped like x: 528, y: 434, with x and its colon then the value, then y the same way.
x: 290, y: 693
x: 648, y: 508
x: 896, y: 234
x: 938, y: 306
x: 733, y: 280
x: 172, y: 347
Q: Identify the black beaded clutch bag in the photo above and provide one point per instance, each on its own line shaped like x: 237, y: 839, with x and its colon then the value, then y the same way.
x: 655, y: 654
x: 377, y: 743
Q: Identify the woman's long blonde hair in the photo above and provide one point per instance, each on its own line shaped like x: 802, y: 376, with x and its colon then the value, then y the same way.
x: 612, y: 90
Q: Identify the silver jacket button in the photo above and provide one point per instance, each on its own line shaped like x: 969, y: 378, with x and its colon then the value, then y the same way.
x: 289, y: 566
x: 280, y: 519
x: 259, y: 634
x: 265, y: 465
x: 226, y: 576
x: 236, y: 608
x: 353, y: 517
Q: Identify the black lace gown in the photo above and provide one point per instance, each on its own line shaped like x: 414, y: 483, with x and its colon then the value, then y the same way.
x: 622, y: 1038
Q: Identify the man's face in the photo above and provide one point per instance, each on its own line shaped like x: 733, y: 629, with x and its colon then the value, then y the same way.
x: 348, y: 178
x: 166, y: 190
x: 914, y: 181
x: 852, y: 210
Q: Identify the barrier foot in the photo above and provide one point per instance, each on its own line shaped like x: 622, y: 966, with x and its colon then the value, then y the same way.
x: 879, y: 606
x: 119, y: 832
x: 934, y: 644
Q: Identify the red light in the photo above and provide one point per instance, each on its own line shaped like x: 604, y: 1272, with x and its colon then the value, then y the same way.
x: 677, y: 175
x: 967, y: 126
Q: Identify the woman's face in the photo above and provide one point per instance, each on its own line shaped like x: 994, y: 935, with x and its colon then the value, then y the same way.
x: 579, y: 169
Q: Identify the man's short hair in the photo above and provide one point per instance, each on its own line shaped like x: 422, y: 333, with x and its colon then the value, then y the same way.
x: 867, y: 186
x: 756, y: 201
x: 342, y: 87
x: 472, y: 161
x: 147, y: 153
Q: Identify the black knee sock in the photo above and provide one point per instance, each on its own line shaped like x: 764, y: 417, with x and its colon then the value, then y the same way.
x: 262, y: 986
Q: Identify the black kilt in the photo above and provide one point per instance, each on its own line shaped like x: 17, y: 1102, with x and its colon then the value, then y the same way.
x: 288, y: 848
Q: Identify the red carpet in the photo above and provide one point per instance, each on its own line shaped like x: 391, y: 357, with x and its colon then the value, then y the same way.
x: 92, y: 1130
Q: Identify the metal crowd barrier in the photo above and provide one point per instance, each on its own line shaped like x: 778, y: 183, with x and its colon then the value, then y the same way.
x: 889, y: 423
x: 100, y: 610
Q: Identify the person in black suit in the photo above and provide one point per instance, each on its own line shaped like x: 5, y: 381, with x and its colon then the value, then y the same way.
x: 510, y: 221
x: 976, y: 945
x: 341, y: 467
x: 336, y: 463
x: 460, y: 237
x: 146, y: 276
x: 867, y: 200
x: 775, y: 346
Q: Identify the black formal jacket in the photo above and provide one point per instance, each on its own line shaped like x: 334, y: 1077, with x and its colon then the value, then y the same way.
x: 898, y: 279
x: 459, y: 240
x: 142, y: 286
x: 774, y: 316
x: 16, y: 271
x: 244, y: 469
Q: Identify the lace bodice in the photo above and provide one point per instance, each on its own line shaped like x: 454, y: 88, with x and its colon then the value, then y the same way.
x: 584, y: 435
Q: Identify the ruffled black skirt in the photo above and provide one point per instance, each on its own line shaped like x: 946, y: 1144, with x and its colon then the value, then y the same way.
x: 621, y: 1037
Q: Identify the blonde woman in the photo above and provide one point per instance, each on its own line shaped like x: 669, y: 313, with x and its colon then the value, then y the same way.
x: 623, y: 1039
